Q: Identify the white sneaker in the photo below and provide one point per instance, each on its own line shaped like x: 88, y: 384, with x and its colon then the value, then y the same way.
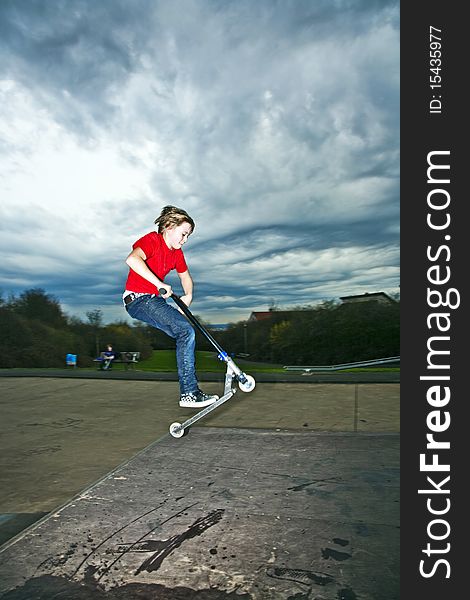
x: 197, y: 399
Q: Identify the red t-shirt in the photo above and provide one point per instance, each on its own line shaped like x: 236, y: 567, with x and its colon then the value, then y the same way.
x: 160, y: 260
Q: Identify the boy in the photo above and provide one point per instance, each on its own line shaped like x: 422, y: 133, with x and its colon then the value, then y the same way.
x: 153, y: 256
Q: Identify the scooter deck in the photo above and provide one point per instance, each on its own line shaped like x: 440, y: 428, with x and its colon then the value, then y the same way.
x: 178, y: 429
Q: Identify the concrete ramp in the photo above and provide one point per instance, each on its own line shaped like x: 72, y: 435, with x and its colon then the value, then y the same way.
x: 224, y: 514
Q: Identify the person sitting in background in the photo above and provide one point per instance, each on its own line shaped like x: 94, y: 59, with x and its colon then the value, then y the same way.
x: 107, y: 358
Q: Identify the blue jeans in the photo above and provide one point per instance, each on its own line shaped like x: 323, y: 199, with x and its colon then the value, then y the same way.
x: 156, y: 312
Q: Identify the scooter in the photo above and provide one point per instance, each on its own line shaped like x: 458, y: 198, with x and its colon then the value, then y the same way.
x: 233, y: 374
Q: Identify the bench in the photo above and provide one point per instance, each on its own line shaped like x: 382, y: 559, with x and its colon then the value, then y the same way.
x: 128, y: 359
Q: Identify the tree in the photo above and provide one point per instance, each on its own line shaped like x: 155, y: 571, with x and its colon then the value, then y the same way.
x: 15, y: 337
x: 125, y: 338
x: 95, y: 319
x: 37, y: 305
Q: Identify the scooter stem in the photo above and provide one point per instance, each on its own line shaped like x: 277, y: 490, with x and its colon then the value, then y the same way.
x: 177, y: 300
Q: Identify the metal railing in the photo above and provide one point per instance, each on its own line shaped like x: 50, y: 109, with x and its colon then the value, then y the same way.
x: 352, y: 365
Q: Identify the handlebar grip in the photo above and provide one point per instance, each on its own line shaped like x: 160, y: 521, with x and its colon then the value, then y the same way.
x: 162, y: 292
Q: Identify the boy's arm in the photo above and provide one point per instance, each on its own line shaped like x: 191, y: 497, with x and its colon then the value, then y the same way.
x: 187, y: 285
x: 136, y: 261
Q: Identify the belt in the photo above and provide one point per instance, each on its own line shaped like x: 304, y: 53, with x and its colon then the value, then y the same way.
x: 132, y: 296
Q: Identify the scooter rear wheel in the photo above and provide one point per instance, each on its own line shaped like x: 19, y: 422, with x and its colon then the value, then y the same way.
x: 176, y: 430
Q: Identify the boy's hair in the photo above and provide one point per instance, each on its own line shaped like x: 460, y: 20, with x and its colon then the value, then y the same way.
x: 171, y: 216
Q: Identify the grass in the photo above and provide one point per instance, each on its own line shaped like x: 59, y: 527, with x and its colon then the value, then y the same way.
x: 165, y: 360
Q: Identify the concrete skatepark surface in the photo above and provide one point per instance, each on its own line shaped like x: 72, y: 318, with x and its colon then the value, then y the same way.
x: 291, y: 491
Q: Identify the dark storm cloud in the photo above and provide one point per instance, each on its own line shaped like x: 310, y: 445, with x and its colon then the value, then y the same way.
x: 274, y: 123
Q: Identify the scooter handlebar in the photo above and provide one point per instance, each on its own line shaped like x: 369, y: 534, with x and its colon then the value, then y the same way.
x: 162, y: 292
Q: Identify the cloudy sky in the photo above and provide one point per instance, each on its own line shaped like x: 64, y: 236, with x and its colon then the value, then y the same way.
x: 274, y: 123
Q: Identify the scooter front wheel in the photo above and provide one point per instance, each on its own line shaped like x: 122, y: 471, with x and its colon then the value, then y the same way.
x: 248, y: 385
x: 176, y: 430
